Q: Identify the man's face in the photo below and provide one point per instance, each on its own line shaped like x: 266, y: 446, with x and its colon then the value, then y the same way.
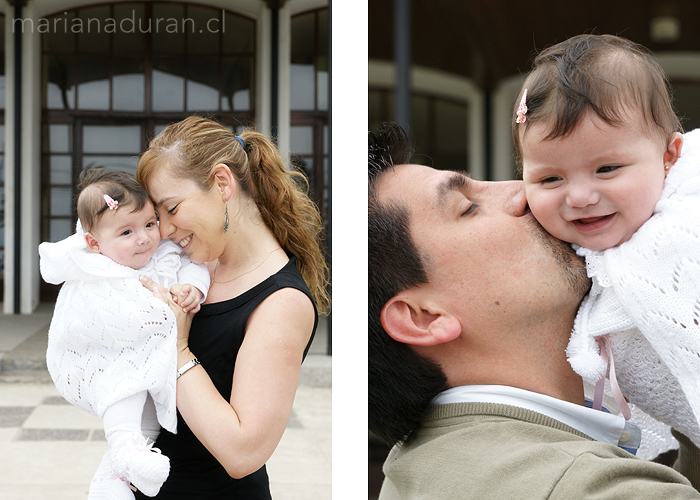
x: 488, y: 261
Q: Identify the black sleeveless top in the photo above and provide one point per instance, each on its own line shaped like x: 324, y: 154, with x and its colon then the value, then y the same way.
x: 216, y: 336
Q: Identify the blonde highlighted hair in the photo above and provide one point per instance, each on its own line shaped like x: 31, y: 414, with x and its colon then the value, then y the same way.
x: 193, y: 147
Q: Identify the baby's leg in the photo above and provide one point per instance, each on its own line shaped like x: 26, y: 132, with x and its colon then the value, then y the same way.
x: 124, y: 417
x: 131, y: 456
x: 106, y: 485
x: 150, y: 428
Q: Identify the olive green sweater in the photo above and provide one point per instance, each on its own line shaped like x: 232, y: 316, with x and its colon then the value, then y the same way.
x: 492, y: 451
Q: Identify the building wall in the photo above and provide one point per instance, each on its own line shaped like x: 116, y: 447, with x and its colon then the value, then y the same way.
x: 680, y: 67
x: 31, y: 127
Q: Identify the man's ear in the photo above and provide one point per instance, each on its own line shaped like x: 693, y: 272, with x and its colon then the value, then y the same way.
x: 410, y: 323
x: 92, y: 244
x: 673, y: 150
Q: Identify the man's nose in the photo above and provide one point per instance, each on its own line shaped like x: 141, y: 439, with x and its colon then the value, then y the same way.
x: 515, y: 200
x: 508, y: 196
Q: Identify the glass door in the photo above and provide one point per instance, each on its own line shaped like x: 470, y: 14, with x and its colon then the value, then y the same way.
x: 69, y: 148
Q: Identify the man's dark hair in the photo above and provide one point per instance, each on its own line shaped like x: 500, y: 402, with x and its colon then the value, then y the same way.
x: 401, y: 382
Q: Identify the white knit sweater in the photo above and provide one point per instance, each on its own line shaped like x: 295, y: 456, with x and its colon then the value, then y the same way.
x: 109, y: 337
x: 646, y: 297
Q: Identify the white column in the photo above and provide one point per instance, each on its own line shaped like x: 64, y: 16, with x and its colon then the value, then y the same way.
x: 284, y: 65
x: 9, y: 259
x: 263, y: 72
x: 30, y: 182
x: 502, y: 146
x: 31, y: 164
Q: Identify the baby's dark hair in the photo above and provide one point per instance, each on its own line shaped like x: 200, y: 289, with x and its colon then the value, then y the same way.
x: 601, y: 74
x: 121, y: 186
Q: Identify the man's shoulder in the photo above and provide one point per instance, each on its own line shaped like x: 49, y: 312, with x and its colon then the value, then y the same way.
x: 497, y: 456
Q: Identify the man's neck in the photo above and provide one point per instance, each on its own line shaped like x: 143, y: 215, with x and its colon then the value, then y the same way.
x: 538, y: 364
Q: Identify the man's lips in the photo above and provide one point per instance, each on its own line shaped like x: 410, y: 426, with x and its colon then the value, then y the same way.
x: 592, y: 223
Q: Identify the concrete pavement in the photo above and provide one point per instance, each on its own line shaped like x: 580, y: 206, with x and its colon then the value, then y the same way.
x: 50, y: 449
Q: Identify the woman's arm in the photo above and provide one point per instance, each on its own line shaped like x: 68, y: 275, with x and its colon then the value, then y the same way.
x: 243, y: 433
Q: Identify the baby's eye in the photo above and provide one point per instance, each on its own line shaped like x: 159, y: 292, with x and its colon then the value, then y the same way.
x: 549, y: 180
x: 150, y: 225
x: 126, y: 233
x: 607, y: 169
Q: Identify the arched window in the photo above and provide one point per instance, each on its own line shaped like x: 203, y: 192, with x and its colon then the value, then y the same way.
x: 309, y: 100
x: 444, y: 109
x: 114, y: 75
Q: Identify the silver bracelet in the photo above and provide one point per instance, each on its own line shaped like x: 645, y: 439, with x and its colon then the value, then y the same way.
x: 190, y: 364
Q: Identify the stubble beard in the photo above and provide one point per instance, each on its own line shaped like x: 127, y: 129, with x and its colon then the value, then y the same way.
x: 572, y: 266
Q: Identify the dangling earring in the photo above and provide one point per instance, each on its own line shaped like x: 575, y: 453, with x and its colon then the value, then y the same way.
x: 226, y: 218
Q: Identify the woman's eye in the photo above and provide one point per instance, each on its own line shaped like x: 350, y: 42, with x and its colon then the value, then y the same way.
x: 172, y: 210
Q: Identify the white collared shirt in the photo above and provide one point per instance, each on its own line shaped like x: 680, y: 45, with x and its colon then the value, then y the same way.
x: 599, y: 425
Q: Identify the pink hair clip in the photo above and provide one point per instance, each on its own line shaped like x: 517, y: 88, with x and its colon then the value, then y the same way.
x: 522, y: 109
x: 112, y: 204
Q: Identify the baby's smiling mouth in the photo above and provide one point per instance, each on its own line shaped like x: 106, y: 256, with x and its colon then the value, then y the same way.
x: 592, y: 223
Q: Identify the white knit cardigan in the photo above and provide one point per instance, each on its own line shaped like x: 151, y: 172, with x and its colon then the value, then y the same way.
x: 109, y: 337
x: 646, y: 298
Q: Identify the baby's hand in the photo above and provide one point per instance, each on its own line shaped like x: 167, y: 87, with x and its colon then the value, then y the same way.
x: 188, y: 296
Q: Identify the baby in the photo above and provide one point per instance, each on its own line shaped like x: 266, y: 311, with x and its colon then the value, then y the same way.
x: 112, y: 345
x: 600, y: 146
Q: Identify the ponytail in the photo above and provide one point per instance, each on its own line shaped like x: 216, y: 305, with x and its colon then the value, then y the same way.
x: 280, y: 195
x: 196, y: 145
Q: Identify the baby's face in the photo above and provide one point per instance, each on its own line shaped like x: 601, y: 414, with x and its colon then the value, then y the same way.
x: 596, y: 186
x: 128, y: 238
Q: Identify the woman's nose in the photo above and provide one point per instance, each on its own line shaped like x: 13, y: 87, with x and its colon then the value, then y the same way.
x: 165, y: 228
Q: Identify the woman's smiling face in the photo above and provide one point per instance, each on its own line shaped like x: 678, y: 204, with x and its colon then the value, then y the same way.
x: 189, y: 216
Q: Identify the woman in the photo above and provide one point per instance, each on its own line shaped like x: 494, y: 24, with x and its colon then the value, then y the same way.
x: 229, y: 201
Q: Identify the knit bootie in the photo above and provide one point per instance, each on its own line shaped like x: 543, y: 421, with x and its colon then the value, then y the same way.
x: 106, y: 485
x: 139, y: 463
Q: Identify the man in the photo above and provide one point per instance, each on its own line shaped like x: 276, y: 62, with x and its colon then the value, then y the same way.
x: 470, y: 308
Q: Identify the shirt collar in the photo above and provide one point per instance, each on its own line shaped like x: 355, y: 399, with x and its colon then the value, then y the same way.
x: 602, y: 426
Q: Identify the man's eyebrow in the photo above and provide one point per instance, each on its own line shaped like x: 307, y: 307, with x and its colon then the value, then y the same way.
x: 456, y: 181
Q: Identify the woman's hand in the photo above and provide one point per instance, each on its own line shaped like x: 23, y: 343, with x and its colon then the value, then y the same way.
x: 182, y: 318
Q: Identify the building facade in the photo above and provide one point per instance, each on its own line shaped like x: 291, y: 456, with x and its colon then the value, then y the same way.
x: 88, y: 84
x: 463, y: 64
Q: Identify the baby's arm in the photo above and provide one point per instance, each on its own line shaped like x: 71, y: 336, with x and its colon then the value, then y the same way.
x: 188, y: 296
